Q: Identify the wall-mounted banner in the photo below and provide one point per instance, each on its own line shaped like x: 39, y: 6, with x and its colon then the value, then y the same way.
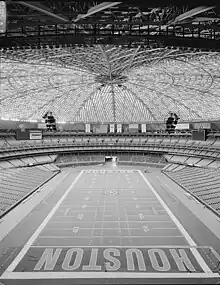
x: 112, y: 128
x: 35, y: 135
x: 119, y: 128
x: 182, y: 127
x: 88, y: 128
x: 143, y: 128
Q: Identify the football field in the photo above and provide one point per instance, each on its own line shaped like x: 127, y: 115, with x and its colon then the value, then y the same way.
x: 110, y: 225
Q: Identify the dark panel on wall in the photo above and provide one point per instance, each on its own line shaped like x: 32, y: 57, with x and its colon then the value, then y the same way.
x: 22, y: 135
x: 199, y: 135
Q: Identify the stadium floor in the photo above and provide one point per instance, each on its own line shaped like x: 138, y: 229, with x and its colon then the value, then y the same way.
x: 109, y: 225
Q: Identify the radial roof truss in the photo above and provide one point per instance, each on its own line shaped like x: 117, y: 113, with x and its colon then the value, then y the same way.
x: 109, y: 83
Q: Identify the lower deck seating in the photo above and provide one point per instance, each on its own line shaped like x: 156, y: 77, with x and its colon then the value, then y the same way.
x: 203, y: 183
x: 99, y: 158
x: 48, y: 167
x: 17, y: 183
x: 196, y: 161
x: 83, y: 158
x: 25, y: 161
x: 124, y: 157
x: 148, y: 159
x: 72, y: 158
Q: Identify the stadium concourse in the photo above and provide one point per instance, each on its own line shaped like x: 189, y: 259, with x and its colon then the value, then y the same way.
x: 110, y: 224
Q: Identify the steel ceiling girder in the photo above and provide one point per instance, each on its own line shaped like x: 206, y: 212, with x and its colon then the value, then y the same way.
x: 142, y: 102
x: 93, y: 10
x: 43, y: 9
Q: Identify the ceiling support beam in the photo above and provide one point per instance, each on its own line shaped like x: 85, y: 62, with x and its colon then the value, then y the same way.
x: 113, y: 102
x: 83, y: 103
x: 191, y: 13
x: 107, y: 61
x: 43, y: 9
x: 175, y: 101
x: 98, y: 8
x: 141, y: 101
x: 110, y: 78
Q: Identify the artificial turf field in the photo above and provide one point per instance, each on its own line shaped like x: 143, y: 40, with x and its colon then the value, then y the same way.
x: 110, y: 226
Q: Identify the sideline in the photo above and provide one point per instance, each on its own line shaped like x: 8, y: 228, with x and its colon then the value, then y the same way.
x: 24, y: 250
x: 191, y: 242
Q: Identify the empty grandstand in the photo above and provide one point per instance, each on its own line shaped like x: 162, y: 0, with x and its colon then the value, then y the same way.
x: 109, y: 143
x: 204, y: 183
x: 17, y: 184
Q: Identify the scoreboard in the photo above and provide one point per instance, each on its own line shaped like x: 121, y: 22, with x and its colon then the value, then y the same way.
x: 3, y: 17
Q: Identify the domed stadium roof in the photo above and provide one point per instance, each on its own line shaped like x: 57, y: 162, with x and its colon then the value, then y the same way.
x: 109, y: 83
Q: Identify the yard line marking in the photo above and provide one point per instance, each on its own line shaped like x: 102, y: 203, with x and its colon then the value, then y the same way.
x: 105, y: 236
x: 108, y: 228
x: 138, y: 221
x: 24, y: 250
x: 119, y: 246
x: 191, y: 242
x: 105, y: 275
x: 133, y: 214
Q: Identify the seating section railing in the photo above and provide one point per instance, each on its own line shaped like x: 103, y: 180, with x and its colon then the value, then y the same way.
x: 202, y: 183
x: 19, y: 183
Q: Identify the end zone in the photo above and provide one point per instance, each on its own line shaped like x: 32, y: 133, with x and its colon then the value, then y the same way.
x: 161, y: 262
